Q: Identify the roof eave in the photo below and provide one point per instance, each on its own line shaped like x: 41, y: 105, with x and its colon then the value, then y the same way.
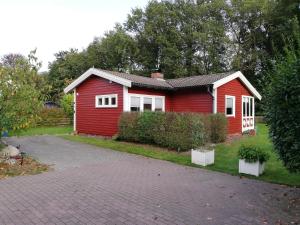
x: 98, y: 73
x: 244, y: 80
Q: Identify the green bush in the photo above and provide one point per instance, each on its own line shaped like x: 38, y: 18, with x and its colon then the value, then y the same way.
x: 53, y: 117
x: 218, y: 126
x: 128, y: 126
x: 252, y: 154
x: 179, y: 131
x: 282, y: 114
x: 67, y: 104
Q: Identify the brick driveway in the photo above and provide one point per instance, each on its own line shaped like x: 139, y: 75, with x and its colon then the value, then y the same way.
x: 118, y: 188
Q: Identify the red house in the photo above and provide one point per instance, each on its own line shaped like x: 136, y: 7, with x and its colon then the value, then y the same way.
x: 101, y: 96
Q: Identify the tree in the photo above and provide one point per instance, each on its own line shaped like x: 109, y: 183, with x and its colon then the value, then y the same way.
x: 181, y: 38
x: 283, y: 109
x: 67, y: 67
x: 20, y: 100
x: 115, y: 51
x: 67, y: 103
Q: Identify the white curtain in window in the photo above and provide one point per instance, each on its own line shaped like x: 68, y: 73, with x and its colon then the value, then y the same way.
x: 135, y: 101
x: 147, y: 100
x: 158, y: 103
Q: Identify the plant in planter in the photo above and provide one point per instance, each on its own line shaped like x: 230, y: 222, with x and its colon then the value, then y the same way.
x: 204, y: 155
x: 252, y: 160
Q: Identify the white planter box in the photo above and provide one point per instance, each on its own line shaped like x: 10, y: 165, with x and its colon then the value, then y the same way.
x: 203, y: 157
x: 255, y: 169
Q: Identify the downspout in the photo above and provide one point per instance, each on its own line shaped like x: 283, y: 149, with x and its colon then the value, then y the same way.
x: 213, y: 93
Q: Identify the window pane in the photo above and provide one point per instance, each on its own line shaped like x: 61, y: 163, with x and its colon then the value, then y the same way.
x: 113, y: 100
x: 229, y: 103
x: 247, y: 106
x: 135, y: 103
x: 158, y: 104
x: 229, y: 106
x: 99, y: 101
x: 228, y: 111
x: 251, y: 106
x: 134, y: 109
x: 147, y: 104
x: 106, y: 101
x: 244, y: 107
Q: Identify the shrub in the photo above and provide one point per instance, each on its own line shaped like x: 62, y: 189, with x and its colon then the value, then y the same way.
x: 180, y: 131
x: 218, y: 126
x: 53, y: 117
x: 128, y: 126
x: 67, y: 104
x: 283, y: 111
x: 252, y: 154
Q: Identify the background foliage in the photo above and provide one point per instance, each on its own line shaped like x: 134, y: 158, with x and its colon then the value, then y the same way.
x: 20, y: 98
x: 283, y: 109
x: 67, y: 104
x: 183, y: 38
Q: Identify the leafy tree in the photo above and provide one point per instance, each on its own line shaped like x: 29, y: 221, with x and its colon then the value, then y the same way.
x: 115, y: 51
x: 67, y: 104
x: 20, y: 100
x: 67, y: 66
x: 246, y: 23
x: 180, y: 38
x: 283, y: 109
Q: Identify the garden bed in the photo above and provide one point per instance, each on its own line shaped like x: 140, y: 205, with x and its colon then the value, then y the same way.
x: 30, y: 167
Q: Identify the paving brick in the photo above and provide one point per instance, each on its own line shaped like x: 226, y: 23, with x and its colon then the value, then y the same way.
x: 119, y: 188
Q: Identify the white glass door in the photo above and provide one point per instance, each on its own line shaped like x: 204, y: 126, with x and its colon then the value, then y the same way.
x: 247, y: 113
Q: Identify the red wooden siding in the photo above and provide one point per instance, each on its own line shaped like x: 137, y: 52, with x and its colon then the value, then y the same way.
x: 92, y: 120
x: 237, y: 89
x: 193, y: 100
x: 144, y: 91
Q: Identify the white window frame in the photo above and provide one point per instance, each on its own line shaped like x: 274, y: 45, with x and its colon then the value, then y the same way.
x: 249, y: 127
x: 142, y: 96
x: 110, y: 96
x: 233, y: 107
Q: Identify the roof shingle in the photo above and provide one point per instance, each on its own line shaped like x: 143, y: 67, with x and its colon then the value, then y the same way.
x: 185, y: 82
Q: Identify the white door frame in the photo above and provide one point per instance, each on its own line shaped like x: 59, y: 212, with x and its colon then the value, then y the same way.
x: 248, y: 120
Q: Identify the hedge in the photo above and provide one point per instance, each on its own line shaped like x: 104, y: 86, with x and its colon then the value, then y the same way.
x: 179, y: 131
x: 53, y: 117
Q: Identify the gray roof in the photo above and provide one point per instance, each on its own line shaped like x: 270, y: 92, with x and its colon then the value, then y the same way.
x: 141, y: 81
x: 185, y: 82
x: 200, y: 80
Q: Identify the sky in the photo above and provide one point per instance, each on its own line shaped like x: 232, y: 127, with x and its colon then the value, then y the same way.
x: 54, y: 25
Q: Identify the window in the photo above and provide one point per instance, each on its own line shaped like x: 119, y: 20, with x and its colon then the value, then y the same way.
x: 107, y: 101
x: 230, y: 105
x: 135, y: 103
x: 147, y: 104
x: 248, y: 106
x: 142, y: 103
x: 158, y: 104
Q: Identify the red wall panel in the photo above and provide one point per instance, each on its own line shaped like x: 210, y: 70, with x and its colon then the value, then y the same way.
x: 192, y: 100
x: 92, y: 120
x: 237, y: 89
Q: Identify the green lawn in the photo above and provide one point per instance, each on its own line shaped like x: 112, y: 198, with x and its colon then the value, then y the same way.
x: 225, y: 156
x: 58, y: 130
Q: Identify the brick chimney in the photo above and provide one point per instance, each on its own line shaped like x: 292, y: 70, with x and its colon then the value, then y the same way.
x: 157, y: 75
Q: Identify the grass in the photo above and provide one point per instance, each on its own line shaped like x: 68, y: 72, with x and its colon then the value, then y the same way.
x: 226, y: 159
x: 58, y: 130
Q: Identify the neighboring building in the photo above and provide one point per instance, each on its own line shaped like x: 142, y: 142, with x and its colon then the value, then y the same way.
x: 101, y: 96
x: 50, y: 105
